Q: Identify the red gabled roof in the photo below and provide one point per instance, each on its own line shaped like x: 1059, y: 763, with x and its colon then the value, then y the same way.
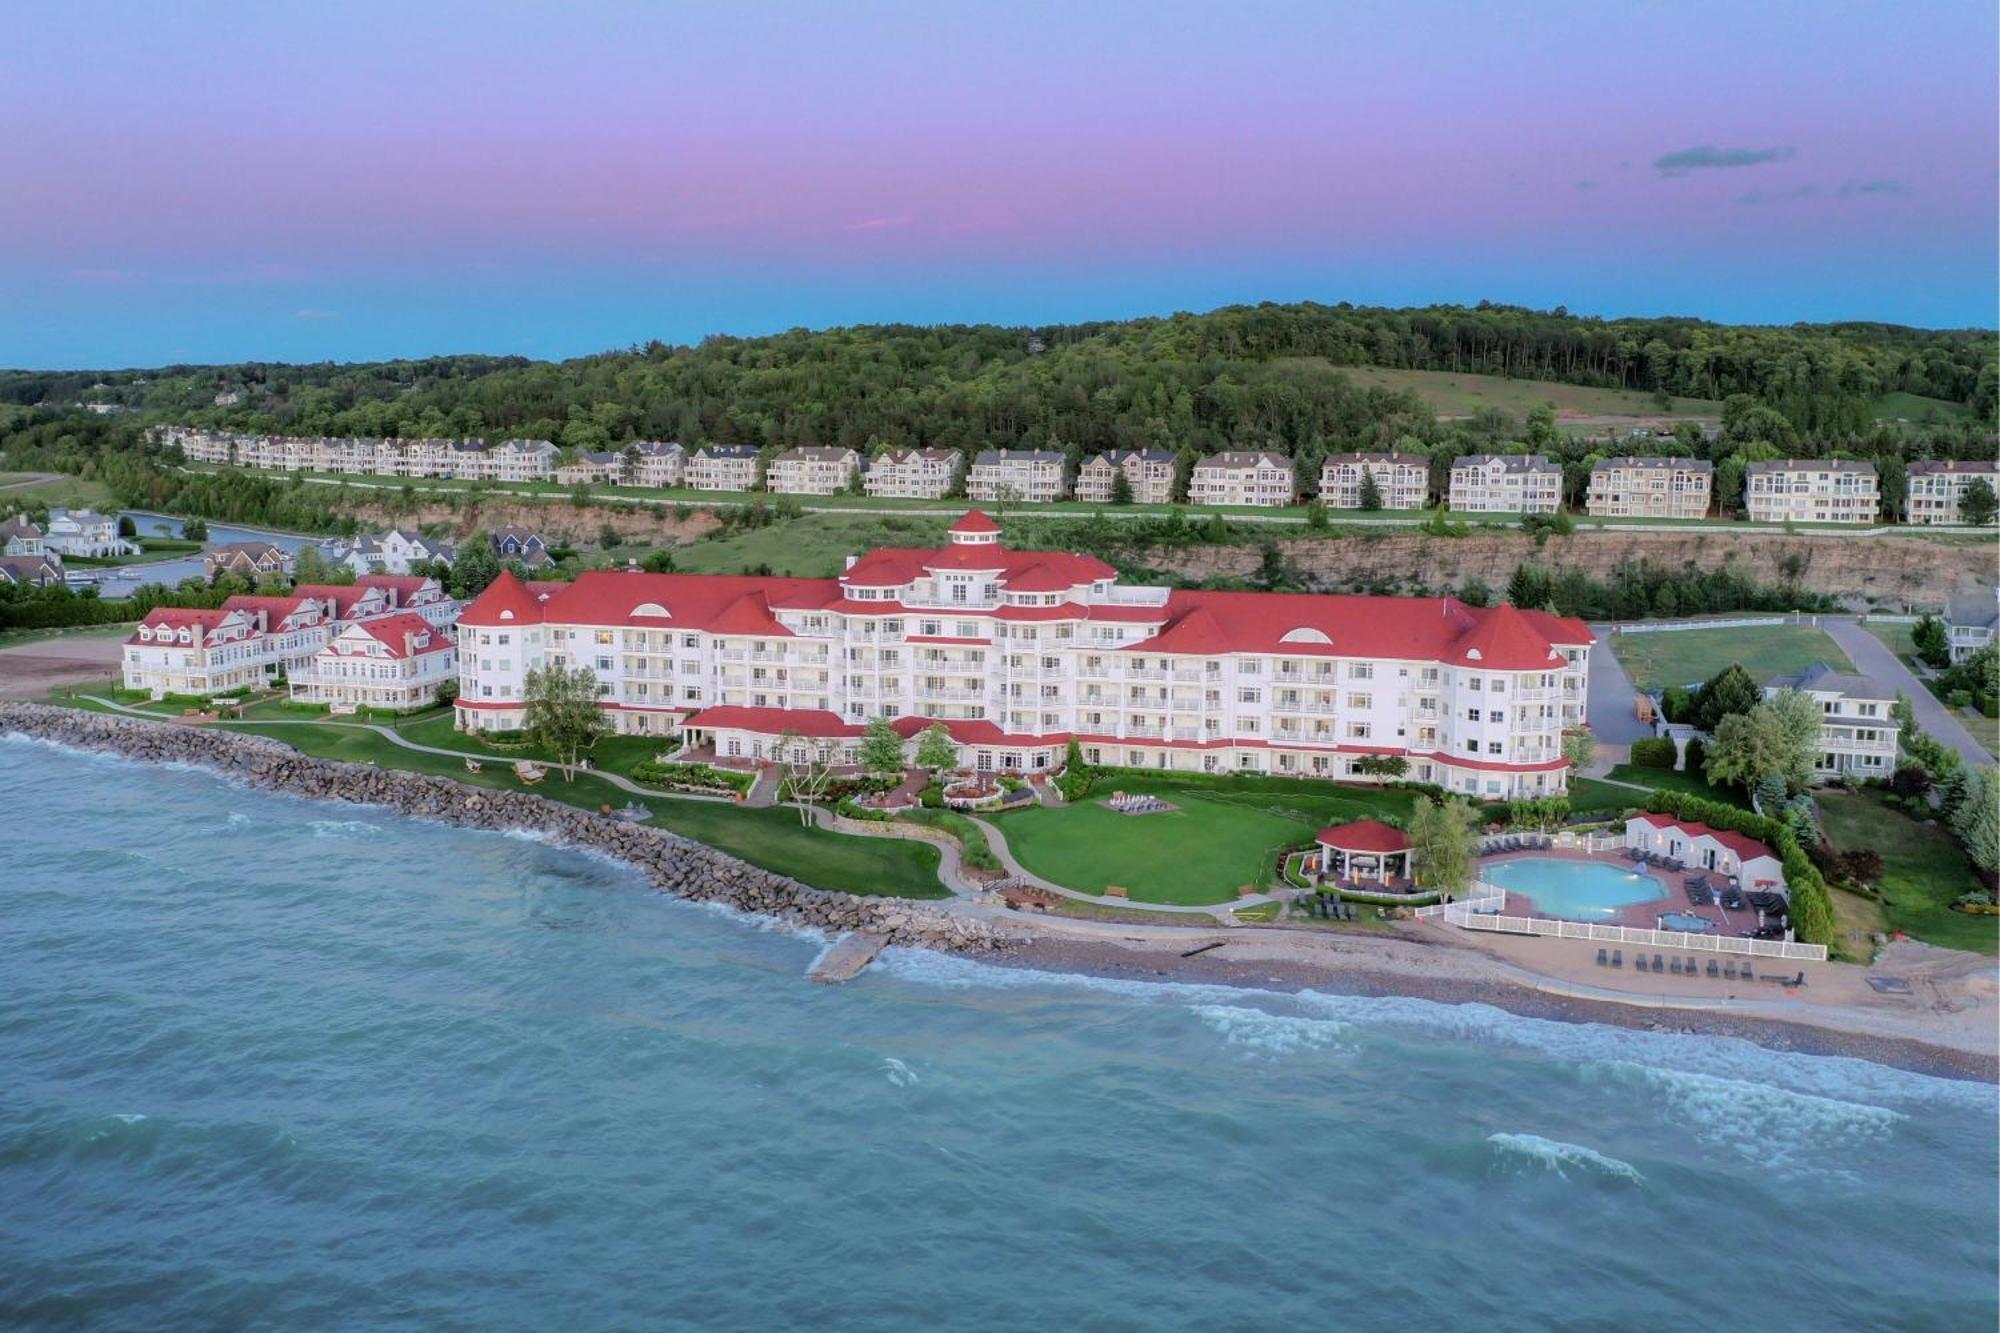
x: 506, y: 601
x: 390, y: 631
x: 1746, y: 847
x: 1504, y: 640
x: 975, y: 521
x: 814, y: 722
x: 748, y: 614
x: 275, y: 609
x: 405, y: 586
x: 179, y: 617
x: 1364, y: 835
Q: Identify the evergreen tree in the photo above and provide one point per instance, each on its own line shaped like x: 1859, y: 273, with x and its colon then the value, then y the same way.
x: 1121, y: 487
x: 1976, y: 503
x: 1932, y: 641
x: 1371, y: 493
x: 478, y: 564
x: 1728, y: 691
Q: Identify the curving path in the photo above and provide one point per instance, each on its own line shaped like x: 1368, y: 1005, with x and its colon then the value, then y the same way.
x: 997, y: 841
x: 951, y: 867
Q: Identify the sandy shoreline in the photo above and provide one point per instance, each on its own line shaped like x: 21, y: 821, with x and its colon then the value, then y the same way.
x: 1248, y: 962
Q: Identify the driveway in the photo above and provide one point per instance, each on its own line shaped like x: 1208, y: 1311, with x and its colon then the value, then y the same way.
x: 1871, y: 657
x: 1609, y: 705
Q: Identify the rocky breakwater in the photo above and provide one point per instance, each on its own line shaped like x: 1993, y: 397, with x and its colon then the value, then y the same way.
x: 674, y: 864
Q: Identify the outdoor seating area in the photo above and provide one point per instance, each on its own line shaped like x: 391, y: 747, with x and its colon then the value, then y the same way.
x: 1135, y: 803
x: 1712, y: 969
x: 1499, y: 843
x: 1326, y: 907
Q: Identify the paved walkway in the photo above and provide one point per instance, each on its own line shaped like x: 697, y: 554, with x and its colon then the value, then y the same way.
x: 1608, y: 707
x: 1872, y: 657
x: 997, y: 841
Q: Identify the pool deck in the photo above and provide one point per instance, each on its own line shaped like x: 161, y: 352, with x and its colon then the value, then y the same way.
x: 1643, y: 916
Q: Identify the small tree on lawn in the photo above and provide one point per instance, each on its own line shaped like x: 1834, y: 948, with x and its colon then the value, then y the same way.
x: 1977, y: 503
x: 1931, y: 640
x: 1382, y: 765
x: 881, y: 748
x: 1579, y: 748
x: 936, y: 750
x: 563, y: 715
x: 1441, y: 843
x: 808, y: 771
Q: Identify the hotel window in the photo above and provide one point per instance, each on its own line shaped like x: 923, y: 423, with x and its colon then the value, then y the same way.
x: 1361, y: 671
x: 1494, y: 747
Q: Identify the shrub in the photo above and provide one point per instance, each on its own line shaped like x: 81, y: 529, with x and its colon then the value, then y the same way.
x: 931, y: 797
x: 1697, y: 754
x: 1656, y: 753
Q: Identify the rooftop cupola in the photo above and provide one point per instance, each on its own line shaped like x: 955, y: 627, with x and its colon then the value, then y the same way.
x: 975, y: 529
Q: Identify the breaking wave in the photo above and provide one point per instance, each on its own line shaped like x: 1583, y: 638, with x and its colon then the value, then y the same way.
x: 1556, y: 1155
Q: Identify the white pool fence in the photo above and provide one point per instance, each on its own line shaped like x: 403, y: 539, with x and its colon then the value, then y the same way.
x: 1486, y: 908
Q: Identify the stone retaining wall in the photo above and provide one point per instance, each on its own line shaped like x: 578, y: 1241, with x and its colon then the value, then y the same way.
x: 674, y: 864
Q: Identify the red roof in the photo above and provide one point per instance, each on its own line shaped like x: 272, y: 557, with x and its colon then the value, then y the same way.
x: 506, y: 601
x: 390, y: 632
x: 975, y: 521
x: 1429, y: 629
x: 1364, y: 835
x: 813, y: 722
x: 1746, y: 847
x: 405, y: 586
x: 275, y: 609
x: 1504, y: 640
x: 180, y: 617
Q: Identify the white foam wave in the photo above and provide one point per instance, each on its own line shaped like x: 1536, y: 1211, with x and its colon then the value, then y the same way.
x: 1836, y: 1077
x: 1771, y: 1126
x: 339, y: 828
x: 1268, y: 1033
x: 1555, y: 1155
x: 898, y: 1073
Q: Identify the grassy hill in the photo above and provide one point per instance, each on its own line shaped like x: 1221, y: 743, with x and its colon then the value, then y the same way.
x: 1919, y: 409
x: 1452, y: 394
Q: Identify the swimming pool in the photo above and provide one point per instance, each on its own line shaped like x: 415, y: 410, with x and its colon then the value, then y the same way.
x: 1573, y: 890
x: 1685, y: 921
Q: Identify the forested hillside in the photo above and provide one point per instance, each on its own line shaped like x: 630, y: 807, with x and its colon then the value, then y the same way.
x: 1263, y: 376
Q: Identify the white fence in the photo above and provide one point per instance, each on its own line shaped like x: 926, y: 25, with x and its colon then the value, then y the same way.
x: 1484, y: 913
x: 1747, y: 623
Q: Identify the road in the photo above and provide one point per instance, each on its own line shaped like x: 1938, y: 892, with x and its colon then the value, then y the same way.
x: 1871, y: 657
x: 1609, y: 706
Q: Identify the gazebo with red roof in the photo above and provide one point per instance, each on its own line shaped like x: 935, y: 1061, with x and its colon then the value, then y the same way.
x: 1363, y: 849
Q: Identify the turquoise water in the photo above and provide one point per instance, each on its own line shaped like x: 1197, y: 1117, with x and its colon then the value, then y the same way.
x: 1685, y: 921
x: 276, y: 1064
x: 1573, y: 890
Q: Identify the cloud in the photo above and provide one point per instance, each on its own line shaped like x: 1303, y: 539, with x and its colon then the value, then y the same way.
x: 1704, y: 156
x: 310, y: 313
x: 1774, y: 196
x: 880, y: 224
x: 1586, y: 185
x: 1871, y: 187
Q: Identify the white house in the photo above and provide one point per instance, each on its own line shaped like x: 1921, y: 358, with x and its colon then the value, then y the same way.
x: 1402, y: 480
x: 20, y: 536
x: 1505, y: 484
x: 1970, y: 619
x: 1937, y: 488
x: 1148, y: 473
x: 1811, y: 490
x: 812, y: 469
x: 1699, y: 847
x: 85, y: 532
x: 722, y: 467
x: 1243, y: 477
x: 1016, y: 475
x: 397, y: 662
x: 1858, y: 730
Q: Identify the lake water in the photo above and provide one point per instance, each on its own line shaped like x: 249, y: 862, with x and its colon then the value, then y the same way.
x: 120, y: 580
x: 273, y: 1063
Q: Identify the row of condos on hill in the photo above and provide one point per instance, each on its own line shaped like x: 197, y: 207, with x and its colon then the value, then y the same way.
x: 1778, y: 491
x: 384, y: 641
x: 1017, y: 653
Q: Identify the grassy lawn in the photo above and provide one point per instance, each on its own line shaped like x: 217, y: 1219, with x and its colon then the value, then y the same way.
x: 810, y: 546
x: 1453, y: 394
x: 1666, y: 779
x: 772, y: 838
x: 1688, y: 657
x: 1225, y: 834
x: 1917, y: 408
x: 12, y: 638
x: 1591, y: 794
x: 1925, y: 871
x: 63, y: 492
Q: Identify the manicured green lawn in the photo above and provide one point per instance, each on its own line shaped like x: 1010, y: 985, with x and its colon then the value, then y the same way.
x: 1590, y: 794
x: 1666, y: 779
x: 1224, y: 834
x: 1688, y: 657
x: 771, y: 838
x: 1924, y: 871
x: 11, y: 638
x: 809, y: 546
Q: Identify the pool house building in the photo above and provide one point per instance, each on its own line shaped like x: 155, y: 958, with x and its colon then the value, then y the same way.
x: 1699, y: 847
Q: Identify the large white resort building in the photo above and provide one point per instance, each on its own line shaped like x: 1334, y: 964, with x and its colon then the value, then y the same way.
x: 1018, y: 652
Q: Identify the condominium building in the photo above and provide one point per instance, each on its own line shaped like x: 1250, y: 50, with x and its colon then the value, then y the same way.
x: 654, y: 463
x: 590, y: 467
x: 1003, y: 476
x: 1811, y: 490
x: 1649, y: 488
x: 1858, y: 729
x: 1970, y: 619
x: 524, y: 460
x: 914, y: 474
x: 1016, y: 653
x: 822, y: 469
x: 1402, y: 480
x: 1148, y: 473
x: 1505, y: 484
x: 251, y: 641
x: 398, y: 662
x: 1937, y: 488
x: 1258, y: 478
x: 722, y: 467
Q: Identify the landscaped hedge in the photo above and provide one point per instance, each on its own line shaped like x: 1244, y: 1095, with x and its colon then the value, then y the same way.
x: 692, y: 777
x: 1656, y: 753
x: 1812, y: 908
